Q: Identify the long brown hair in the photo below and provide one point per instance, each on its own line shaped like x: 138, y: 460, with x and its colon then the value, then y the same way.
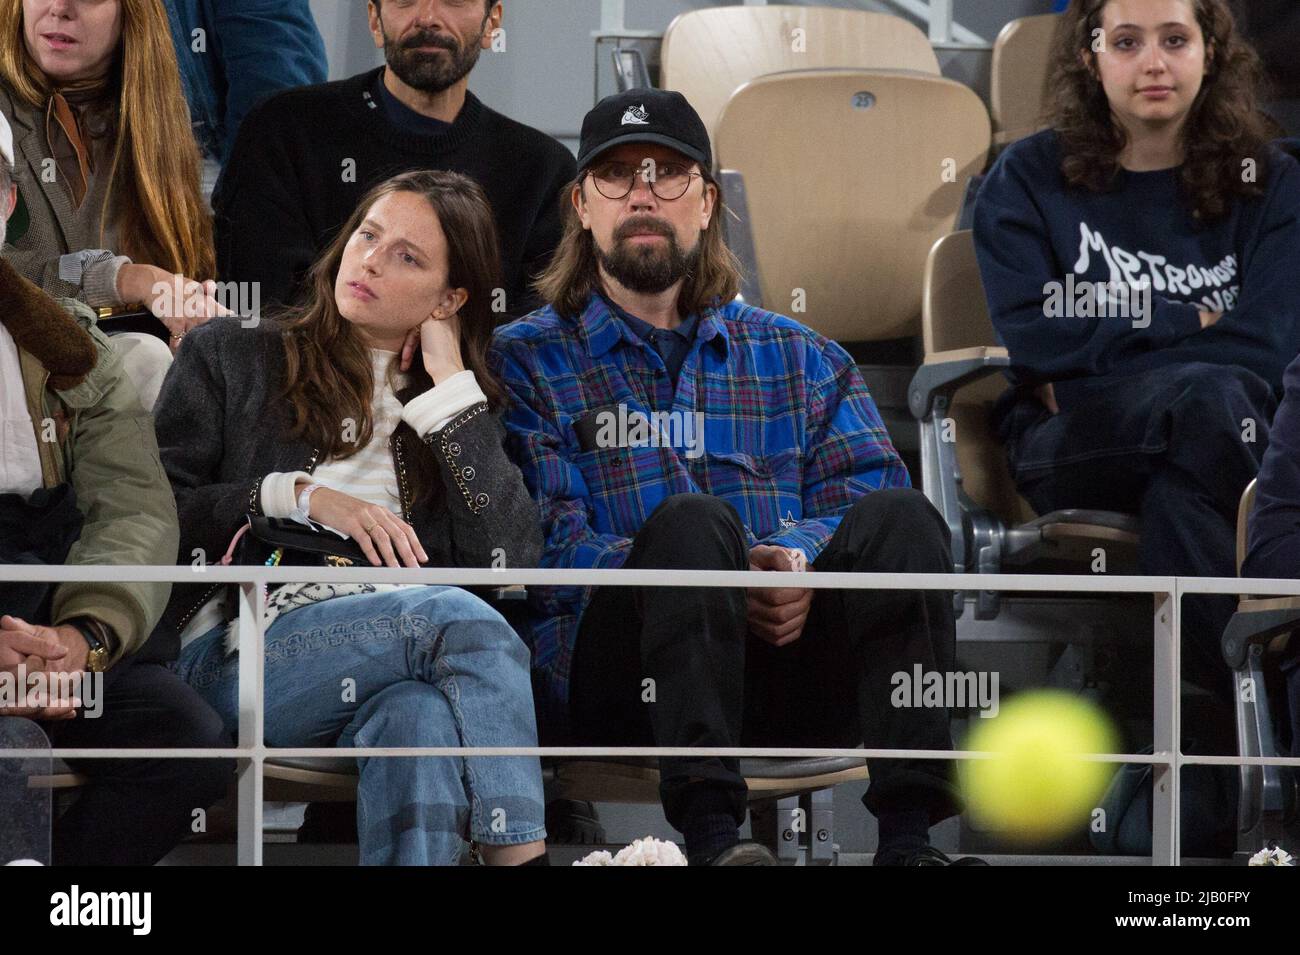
x: 1224, y: 128
x: 567, y: 283
x: 155, y: 190
x: 328, y: 369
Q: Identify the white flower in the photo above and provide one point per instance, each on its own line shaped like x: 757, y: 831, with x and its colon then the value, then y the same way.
x: 650, y: 851
x: 1274, y: 856
x: 647, y: 851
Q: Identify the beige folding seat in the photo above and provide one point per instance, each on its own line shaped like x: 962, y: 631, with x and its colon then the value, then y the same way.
x: 1019, y: 80
x: 708, y: 54
x: 849, y: 177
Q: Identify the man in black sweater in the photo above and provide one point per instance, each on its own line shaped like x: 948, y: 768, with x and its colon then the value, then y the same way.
x: 304, y: 158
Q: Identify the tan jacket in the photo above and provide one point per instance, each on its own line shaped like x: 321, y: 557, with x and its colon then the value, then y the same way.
x: 93, y: 432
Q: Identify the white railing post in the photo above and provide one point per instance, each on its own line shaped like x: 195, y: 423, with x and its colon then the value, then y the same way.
x: 252, y: 666
x: 937, y: 15
x: 612, y: 16
x: 940, y: 21
x: 1166, y: 778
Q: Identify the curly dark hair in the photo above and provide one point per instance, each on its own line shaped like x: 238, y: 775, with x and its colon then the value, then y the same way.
x: 1224, y: 128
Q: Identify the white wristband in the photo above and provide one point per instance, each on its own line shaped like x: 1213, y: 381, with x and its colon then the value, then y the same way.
x: 302, y: 513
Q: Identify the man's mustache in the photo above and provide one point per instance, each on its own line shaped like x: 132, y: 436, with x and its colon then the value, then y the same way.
x: 431, y: 39
x: 642, y: 225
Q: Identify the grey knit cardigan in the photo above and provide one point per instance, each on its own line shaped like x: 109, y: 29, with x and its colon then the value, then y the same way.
x: 222, y: 428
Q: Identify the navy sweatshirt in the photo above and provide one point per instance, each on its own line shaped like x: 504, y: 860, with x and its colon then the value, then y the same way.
x: 1032, y: 229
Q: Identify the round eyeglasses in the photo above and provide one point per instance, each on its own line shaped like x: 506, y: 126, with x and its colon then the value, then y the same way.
x: 668, y: 181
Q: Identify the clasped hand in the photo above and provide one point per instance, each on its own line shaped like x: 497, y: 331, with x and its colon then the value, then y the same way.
x: 50, y: 650
x: 777, y: 615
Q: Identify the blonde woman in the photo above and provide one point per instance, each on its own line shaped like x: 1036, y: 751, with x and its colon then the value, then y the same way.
x: 110, y: 208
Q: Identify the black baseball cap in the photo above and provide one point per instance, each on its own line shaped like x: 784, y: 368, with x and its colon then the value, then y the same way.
x: 645, y: 116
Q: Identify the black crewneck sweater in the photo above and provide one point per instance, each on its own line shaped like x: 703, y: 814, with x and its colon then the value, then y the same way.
x: 304, y: 158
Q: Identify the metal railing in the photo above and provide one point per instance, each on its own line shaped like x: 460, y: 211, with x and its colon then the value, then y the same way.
x: 251, y: 754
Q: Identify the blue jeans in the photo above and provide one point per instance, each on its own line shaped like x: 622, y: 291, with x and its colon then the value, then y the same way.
x: 426, y: 666
x: 1176, y: 446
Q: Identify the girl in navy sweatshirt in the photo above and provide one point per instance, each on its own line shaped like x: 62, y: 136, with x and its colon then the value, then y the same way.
x: 1141, y: 259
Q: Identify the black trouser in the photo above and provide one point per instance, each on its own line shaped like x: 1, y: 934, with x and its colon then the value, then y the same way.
x: 134, y: 811
x: 716, y: 685
x: 1175, y: 445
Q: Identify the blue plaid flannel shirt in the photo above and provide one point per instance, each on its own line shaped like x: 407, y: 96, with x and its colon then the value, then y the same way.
x: 791, y: 439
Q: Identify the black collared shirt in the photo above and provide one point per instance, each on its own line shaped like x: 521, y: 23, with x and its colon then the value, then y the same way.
x: 673, y: 345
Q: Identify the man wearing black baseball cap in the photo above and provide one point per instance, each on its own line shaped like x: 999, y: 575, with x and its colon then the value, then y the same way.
x: 662, y: 424
x: 624, y: 118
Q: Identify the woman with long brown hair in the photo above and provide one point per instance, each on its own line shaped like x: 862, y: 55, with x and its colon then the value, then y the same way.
x: 111, y: 209
x: 323, y: 418
x: 1139, y: 258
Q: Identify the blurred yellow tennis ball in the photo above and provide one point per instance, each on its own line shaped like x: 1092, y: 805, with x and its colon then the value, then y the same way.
x: 1037, y: 787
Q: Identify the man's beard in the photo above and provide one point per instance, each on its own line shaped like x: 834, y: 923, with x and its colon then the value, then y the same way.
x: 647, y: 269
x: 432, y: 72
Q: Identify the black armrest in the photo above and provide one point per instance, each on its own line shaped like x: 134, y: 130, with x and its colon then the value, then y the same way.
x: 945, y: 377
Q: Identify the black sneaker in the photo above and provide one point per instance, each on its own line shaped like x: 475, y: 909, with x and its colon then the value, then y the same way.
x: 924, y: 855
x: 745, y: 853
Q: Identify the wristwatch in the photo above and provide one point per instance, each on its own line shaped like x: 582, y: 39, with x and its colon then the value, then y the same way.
x: 97, y: 636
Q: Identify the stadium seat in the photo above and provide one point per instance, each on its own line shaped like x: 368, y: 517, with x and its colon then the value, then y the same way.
x: 61, y: 777
x: 964, y: 470
x: 1260, y: 627
x: 320, y: 779
x: 812, y: 148
x: 1019, y: 80
x: 708, y: 54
